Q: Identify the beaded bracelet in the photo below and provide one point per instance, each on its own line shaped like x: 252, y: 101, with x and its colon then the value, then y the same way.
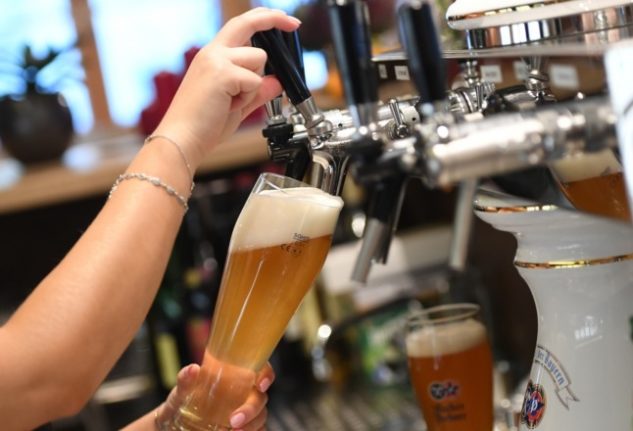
x: 153, y: 180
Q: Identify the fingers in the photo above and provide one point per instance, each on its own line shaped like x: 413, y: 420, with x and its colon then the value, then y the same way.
x: 252, y: 415
x: 246, y: 85
x: 265, y: 377
x: 175, y: 399
x: 269, y: 89
x: 239, y: 30
x: 249, y: 58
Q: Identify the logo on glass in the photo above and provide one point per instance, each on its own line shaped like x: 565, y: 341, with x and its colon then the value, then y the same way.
x: 533, y: 405
x: 443, y: 390
x: 296, y: 247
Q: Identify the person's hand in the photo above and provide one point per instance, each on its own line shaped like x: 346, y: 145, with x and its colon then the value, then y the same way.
x: 223, y: 84
x: 250, y: 416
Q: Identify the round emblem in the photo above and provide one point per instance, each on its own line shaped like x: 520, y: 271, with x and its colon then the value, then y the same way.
x: 533, y: 405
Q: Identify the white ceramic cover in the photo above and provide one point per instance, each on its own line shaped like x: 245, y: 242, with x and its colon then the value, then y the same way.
x: 580, y: 271
x: 471, y: 14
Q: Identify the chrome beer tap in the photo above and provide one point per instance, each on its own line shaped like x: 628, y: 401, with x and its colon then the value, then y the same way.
x: 285, y: 144
x: 446, y: 149
x: 318, y: 143
x: 388, y: 173
x: 419, y: 38
x: 349, y: 20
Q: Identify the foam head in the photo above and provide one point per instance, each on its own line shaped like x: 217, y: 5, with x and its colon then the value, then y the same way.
x: 445, y: 338
x: 273, y: 217
x: 583, y: 166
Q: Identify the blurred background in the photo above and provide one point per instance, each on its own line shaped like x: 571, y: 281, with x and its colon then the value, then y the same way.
x: 97, y: 76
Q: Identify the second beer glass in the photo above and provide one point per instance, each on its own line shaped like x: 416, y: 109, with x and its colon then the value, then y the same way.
x: 277, y: 249
x: 450, y: 366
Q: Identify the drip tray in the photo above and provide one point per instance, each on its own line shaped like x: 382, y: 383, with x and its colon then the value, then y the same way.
x: 371, y: 409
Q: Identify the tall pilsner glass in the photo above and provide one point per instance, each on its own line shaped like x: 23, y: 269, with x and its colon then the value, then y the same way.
x: 450, y: 367
x: 277, y: 249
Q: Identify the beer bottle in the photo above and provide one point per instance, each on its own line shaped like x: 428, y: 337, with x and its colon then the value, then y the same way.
x: 165, y: 326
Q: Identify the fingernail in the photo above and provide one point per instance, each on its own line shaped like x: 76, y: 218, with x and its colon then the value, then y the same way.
x: 190, y: 370
x: 265, y: 384
x: 296, y: 20
x: 237, y: 420
x: 184, y: 372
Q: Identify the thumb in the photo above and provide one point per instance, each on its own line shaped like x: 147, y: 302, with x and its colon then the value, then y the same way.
x: 178, y: 395
x: 269, y: 89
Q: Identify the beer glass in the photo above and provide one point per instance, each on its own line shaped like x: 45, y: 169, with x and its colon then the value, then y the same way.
x: 594, y: 183
x: 450, y: 367
x: 277, y: 249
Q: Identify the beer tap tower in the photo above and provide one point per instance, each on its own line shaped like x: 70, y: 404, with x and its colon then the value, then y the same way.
x: 579, y: 267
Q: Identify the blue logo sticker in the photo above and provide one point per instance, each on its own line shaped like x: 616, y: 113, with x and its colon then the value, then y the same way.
x: 533, y: 405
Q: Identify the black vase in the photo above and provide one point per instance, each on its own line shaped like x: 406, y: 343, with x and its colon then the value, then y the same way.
x: 35, y: 127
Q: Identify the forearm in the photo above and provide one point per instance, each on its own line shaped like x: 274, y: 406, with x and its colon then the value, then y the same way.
x: 61, y: 343
x: 78, y: 321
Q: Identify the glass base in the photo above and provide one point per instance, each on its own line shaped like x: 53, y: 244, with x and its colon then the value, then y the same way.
x: 183, y: 424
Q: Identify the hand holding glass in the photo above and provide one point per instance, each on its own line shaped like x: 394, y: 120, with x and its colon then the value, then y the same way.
x: 277, y: 249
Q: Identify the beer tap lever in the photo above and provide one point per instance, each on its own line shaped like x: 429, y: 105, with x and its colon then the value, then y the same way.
x: 289, y: 74
x: 282, y: 145
x: 349, y: 20
x: 420, y: 41
x: 291, y: 39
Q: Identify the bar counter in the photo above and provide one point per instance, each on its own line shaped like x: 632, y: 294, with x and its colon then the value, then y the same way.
x: 89, y: 168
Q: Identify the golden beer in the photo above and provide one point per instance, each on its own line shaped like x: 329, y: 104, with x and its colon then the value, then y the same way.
x: 594, y: 183
x: 277, y: 249
x: 450, y: 367
x: 603, y: 195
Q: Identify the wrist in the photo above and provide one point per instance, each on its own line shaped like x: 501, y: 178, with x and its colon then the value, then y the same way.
x: 187, y: 143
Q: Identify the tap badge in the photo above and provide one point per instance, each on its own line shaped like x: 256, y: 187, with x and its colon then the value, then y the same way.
x: 533, y: 405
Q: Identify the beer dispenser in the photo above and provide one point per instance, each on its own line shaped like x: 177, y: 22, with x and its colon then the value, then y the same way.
x: 531, y: 98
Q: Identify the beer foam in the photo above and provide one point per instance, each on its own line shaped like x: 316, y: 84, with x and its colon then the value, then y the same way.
x: 583, y: 166
x: 273, y: 217
x: 445, y: 338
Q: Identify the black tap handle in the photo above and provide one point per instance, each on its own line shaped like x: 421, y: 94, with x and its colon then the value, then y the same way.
x: 349, y: 20
x: 291, y: 39
x: 420, y: 40
x: 257, y: 43
x: 283, y: 65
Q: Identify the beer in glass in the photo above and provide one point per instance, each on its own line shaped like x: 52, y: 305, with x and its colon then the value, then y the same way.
x: 594, y: 183
x: 277, y: 249
x: 450, y: 367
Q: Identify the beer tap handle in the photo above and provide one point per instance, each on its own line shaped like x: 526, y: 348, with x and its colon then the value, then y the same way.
x: 283, y: 65
x: 349, y: 20
x: 273, y: 107
x: 292, y: 82
x: 291, y: 39
x: 420, y: 40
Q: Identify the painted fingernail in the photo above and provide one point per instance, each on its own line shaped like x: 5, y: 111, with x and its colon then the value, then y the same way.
x: 265, y: 384
x: 237, y: 420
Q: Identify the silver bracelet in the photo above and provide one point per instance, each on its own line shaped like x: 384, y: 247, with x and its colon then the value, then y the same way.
x: 150, y: 138
x: 153, y: 180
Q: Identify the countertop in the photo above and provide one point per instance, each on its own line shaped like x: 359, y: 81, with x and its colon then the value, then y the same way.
x: 89, y: 168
